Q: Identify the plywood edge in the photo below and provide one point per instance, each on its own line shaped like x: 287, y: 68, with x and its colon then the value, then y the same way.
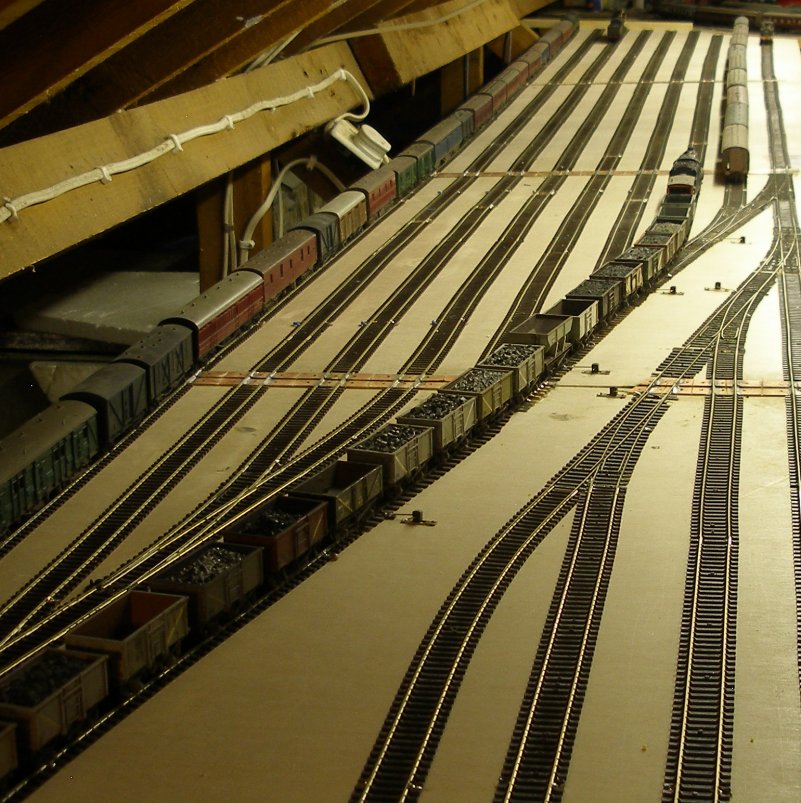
x: 415, y: 51
x: 42, y: 231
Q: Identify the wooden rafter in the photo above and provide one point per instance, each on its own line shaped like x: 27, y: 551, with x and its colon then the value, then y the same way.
x: 138, y: 71
x: 11, y: 10
x: 328, y: 24
x: 241, y: 50
x: 382, y: 11
x: 55, y: 43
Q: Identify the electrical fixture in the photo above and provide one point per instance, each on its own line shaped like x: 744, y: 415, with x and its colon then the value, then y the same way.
x: 363, y: 141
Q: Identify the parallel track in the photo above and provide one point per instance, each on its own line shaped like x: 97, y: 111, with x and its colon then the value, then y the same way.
x: 61, y: 576
x: 701, y: 736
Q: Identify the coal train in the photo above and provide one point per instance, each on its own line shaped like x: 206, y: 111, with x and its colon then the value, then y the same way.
x: 734, y: 154
x: 46, y: 452
x: 137, y: 631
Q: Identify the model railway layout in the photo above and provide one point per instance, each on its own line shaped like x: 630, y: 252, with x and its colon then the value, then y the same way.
x: 294, y: 496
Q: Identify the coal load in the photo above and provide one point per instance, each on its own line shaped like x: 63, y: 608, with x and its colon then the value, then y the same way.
x: 592, y: 287
x: 206, y: 566
x: 38, y: 681
x: 270, y: 522
x: 622, y: 271
x: 389, y: 439
x: 437, y: 406
x: 475, y: 381
x: 510, y: 355
x: 664, y: 228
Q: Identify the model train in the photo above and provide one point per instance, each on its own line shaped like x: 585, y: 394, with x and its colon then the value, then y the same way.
x: 42, y: 455
x: 734, y: 154
x: 135, y: 631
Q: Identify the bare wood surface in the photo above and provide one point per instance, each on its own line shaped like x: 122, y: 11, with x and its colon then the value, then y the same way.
x: 41, y: 231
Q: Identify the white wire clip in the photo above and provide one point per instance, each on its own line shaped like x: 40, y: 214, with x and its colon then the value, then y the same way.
x: 175, y: 142
x: 105, y: 176
x: 229, y: 122
x: 247, y: 245
x: 12, y: 210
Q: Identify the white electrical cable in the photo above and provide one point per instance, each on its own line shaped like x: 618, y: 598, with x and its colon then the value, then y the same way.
x: 11, y: 207
x: 246, y: 244
x: 229, y: 230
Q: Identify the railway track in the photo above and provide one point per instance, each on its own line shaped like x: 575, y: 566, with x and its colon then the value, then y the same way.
x: 538, y: 757
x: 599, y: 502
x: 532, y: 295
x: 536, y: 766
x: 700, y: 748
x: 622, y: 231
x: 72, y: 566
x: 402, y: 754
x: 32, y: 600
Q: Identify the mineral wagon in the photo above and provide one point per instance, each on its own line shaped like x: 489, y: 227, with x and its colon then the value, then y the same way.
x: 138, y: 632
x: 400, y: 449
x: 216, y: 577
x: 48, y: 694
x: 285, y: 530
x: 526, y: 362
x: 492, y: 387
x: 349, y: 489
x: 451, y: 417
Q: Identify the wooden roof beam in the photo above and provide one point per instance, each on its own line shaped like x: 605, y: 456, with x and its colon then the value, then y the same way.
x: 11, y: 10
x: 328, y: 24
x: 125, y: 78
x: 66, y: 40
x: 241, y: 50
x: 382, y: 11
x: 398, y: 55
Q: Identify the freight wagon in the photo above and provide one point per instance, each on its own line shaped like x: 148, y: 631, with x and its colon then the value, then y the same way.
x: 402, y: 451
x: 493, y: 389
x: 630, y: 273
x: 450, y: 417
x: 215, y: 578
x: 166, y: 356
x: 118, y: 392
x: 349, y: 490
x: 552, y: 332
x: 607, y: 292
x: 525, y: 361
x: 44, y: 454
x: 48, y: 694
x: 139, y: 632
x: 285, y: 530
